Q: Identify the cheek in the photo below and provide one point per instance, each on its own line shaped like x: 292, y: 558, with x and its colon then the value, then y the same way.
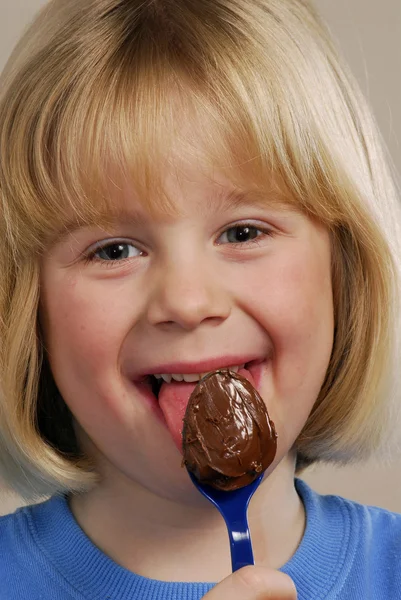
x: 302, y: 306
x: 293, y: 299
x: 83, y: 326
x: 298, y: 317
x: 83, y: 333
x: 294, y: 305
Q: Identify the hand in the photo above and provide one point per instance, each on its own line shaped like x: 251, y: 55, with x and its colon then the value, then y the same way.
x: 254, y: 583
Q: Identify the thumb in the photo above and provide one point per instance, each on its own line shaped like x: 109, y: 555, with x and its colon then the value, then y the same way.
x: 254, y: 583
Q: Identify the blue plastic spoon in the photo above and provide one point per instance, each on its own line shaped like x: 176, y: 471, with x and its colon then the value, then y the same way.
x: 233, y: 506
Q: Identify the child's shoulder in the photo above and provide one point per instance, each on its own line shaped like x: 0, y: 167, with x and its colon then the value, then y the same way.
x: 352, y: 550
x: 26, y: 573
x: 16, y: 545
x: 375, y: 536
x: 379, y: 523
x: 16, y: 523
x: 13, y: 531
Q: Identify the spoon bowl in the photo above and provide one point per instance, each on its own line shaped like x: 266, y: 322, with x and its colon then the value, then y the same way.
x: 233, y: 506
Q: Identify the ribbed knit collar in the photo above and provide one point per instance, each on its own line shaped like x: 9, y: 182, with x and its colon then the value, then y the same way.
x: 318, y: 567
x: 326, y: 554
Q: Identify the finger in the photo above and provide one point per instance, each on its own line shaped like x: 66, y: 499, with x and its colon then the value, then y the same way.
x: 254, y: 583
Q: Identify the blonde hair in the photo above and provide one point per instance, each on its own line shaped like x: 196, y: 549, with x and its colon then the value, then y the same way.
x: 100, y: 84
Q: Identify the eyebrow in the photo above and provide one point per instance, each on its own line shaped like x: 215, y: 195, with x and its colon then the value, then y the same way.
x: 221, y: 201
x: 224, y: 201
x: 237, y: 199
x: 251, y: 197
x: 104, y: 221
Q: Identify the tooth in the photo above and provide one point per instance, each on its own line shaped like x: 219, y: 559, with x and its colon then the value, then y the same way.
x: 191, y: 378
x: 177, y: 377
x: 157, y: 376
x: 235, y: 369
x: 203, y: 374
x: 167, y: 378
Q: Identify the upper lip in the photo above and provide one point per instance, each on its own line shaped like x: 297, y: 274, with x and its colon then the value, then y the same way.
x: 203, y: 366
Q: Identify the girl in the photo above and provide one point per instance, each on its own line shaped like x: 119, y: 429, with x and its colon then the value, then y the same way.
x: 189, y: 185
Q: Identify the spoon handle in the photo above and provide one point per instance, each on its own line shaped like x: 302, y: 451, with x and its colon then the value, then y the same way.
x: 240, y: 539
x: 233, y: 507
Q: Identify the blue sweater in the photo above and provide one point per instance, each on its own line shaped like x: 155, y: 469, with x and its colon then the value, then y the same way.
x: 349, y: 551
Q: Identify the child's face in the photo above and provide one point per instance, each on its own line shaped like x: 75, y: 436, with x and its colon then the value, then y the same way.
x: 195, y: 287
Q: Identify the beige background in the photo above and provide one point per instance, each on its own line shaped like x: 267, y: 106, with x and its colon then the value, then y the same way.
x: 369, y: 34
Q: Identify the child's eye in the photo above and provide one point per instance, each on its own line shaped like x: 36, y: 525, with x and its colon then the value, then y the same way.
x: 243, y: 233
x: 113, y: 252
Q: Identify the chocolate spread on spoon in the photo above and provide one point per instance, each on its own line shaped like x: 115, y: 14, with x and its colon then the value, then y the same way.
x: 228, y: 438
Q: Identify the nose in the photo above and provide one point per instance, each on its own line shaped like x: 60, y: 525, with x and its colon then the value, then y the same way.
x: 187, y: 293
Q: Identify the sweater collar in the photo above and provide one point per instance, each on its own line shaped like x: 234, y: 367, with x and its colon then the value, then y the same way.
x: 317, y: 566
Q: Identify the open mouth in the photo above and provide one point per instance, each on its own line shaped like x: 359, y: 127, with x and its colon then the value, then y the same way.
x: 156, y: 381
x: 172, y: 391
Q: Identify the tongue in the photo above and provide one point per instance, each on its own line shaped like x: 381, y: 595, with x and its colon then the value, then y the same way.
x: 173, y: 401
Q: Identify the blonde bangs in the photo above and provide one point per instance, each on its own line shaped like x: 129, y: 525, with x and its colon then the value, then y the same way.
x: 118, y: 104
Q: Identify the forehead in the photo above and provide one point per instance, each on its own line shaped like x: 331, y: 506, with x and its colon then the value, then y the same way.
x: 146, y: 155
x: 179, y: 181
x: 185, y: 191
x: 186, y: 184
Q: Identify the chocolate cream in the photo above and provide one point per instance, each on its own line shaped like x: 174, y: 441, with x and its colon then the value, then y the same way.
x: 228, y: 438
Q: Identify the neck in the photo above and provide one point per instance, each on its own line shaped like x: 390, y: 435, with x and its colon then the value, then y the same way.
x: 166, y: 540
